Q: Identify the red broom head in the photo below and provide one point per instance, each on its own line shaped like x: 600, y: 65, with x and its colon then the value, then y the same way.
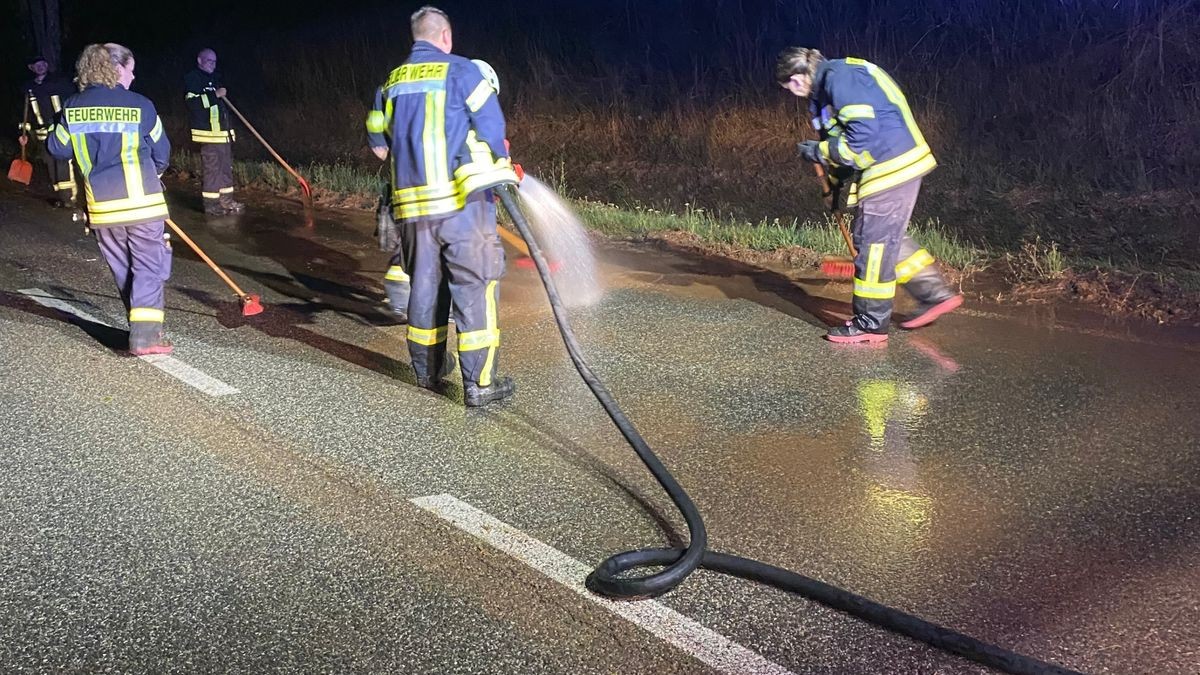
x: 837, y: 268
x: 526, y: 263
x: 251, y: 305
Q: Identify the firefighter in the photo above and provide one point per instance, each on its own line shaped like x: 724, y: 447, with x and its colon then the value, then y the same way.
x: 441, y: 123
x: 44, y: 94
x: 866, y: 126
x: 117, y: 139
x: 209, y: 120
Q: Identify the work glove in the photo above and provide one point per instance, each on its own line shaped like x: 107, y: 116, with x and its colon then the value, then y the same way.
x: 810, y: 152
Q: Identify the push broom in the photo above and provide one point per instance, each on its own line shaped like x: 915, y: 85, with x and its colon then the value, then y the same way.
x: 21, y: 171
x: 834, y: 266
x: 305, y: 190
x: 251, y: 304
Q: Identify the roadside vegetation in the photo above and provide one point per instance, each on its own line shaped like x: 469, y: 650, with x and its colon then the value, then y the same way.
x: 1066, y: 132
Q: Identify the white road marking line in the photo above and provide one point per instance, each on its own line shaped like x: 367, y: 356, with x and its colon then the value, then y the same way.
x: 46, y: 300
x: 168, y: 364
x: 189, y: 375
x: 676, y: 629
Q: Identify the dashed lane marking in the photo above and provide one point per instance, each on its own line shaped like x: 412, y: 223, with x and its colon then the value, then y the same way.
x: 170, y: 365
x: 683, y: 633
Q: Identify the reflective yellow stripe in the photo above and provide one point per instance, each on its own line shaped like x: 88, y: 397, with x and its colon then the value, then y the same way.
x: 202, y: 136
x: 204, y: 101
x: 214, y: 117
x: 442, y: 154
x: 477, y: 339
x: 82, y: 157
x: 915, y: 263
x: 874, y: 262
x: 886, y: 175
x: 875, y: 291
x: 111, y: 205
x: 478, y: 175
x: 134, y: 187
x: 397, y: 273
x: 157, y: 212
x: 376, y: 122
x: 480, y: 96
x: 157, y: 132
x: 60, y: 132
x: 429, y: 208
x: 147, y: 314
x: 426, y: 336
x: 485, y: 375
x: 225, y: 191
x: 861, y: 161
x: 857, y: 111
x: 211, y: 195
x: 428, y: 146
x: 37, y: 110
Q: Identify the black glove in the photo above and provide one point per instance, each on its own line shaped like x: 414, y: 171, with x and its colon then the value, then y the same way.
x: 810, y: 152
x: 386, y: 230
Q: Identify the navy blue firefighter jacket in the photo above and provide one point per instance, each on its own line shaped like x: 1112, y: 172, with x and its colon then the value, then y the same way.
x: 117, y: 140
x: 444, y: 126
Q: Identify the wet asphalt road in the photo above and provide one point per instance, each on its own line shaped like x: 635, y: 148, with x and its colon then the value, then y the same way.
x: 1030, y: 478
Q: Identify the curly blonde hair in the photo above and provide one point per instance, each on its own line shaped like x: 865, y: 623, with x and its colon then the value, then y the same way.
x: 98, y: 64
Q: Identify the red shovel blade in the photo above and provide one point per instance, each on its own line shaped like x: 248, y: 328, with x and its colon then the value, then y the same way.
x: 251, y: 305
x: 20, y: 171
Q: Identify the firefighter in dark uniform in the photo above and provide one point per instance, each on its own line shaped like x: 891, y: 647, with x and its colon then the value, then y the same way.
x: 117, y: 139
x: 44, y: 94
x: 208, y: 117
x: 866, y: 127
x: 442, y: 123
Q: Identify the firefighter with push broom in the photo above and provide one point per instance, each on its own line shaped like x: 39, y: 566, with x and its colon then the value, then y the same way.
x: 117, y: 139
x: 44, y: 94
x: 442, y: 124
x: 208, y: 117
x: 865, y: 124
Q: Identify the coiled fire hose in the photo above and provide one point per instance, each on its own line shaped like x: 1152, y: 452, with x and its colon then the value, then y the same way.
x: 678, y: 563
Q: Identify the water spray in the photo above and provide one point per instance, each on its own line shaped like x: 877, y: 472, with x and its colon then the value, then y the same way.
x: 610, y: 580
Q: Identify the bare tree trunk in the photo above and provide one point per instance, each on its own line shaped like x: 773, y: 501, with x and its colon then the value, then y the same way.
x: 44, y: 21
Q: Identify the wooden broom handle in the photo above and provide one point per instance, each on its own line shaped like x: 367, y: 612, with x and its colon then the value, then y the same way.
x: 221, y: 273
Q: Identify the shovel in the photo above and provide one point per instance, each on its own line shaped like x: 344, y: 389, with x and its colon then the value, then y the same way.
x: 21, y: 171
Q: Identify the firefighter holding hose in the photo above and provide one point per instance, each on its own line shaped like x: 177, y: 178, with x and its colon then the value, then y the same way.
x: 440, y: 121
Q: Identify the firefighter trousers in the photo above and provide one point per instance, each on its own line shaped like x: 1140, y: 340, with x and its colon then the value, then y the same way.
x: 456, y: 260
x: 140, y: 260
x: 216, y: 172
x: 887, y: 256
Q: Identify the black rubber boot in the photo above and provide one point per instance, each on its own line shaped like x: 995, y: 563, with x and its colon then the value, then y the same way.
x: 212, y: 207
x: 852, y: 333
x: 476, y: 396
x: 448, y: 365
x: 231, y: 205
x: 146, y: 338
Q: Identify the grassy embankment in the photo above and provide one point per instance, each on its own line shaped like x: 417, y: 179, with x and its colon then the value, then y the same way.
x: 1066, y: 132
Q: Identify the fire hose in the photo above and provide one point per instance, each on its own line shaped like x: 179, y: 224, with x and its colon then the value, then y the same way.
x: 608, y: 579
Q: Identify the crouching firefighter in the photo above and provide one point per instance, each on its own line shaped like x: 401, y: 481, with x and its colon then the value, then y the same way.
x: 118, y: 142
x: 865, y: 124
x: 442, y: 123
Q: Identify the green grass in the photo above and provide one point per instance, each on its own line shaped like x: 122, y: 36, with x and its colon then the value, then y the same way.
x: 628, y: 222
